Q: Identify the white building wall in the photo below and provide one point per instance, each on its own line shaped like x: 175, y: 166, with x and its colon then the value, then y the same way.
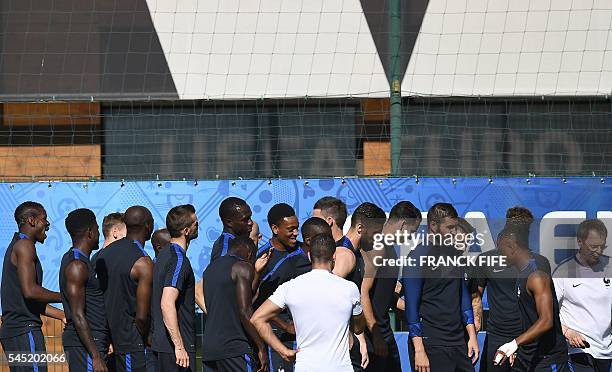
x: 512, y: 48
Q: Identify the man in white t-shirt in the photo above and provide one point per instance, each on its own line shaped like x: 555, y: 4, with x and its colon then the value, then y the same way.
x: 584, y: 292
x: 324, y: 308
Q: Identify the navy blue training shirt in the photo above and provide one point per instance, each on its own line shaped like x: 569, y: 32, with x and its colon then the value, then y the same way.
x: 551, y: 344
x: 282, y: 267
x: 173, y: 269
x: 113, y: 266
x: 220, y: 246
x: 95, y: 312
x: 19, y: 315
x: 438, y: 303
x: 500, y: 283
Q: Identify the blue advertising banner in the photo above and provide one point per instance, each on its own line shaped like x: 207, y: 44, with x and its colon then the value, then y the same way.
x: 556, y: 204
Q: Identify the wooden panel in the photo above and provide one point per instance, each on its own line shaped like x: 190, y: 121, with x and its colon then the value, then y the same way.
x: 52, y: 330
x: 56, y: 113
x: 375, y: 109
x: 376, y: 158
x: 21, y: 163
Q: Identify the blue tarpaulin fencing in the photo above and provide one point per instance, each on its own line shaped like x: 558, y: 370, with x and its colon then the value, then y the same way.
x: 557, y: 203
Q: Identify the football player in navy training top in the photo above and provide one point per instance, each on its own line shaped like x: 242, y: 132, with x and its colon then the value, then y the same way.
x: 541, y: 345
x: 86, y: 335
x: 24, y: 299
x: 286, y: 261
x: 125, y: 272
x: 235, y: 215
x: 404, y: 217
x: 230, y: 340
x: 172, y: 302
x: 504, y: 321
x: 438, y: 303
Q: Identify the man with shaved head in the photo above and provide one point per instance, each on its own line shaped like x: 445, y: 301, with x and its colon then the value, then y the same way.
x: 235, y: 215
x: 160, y: 239
x: 125, y: 272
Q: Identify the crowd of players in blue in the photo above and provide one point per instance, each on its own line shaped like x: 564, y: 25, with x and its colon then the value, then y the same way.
x: 126, y: 311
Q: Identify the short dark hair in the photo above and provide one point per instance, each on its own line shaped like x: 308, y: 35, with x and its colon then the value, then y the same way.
x: 333, y: 207
x: 515, y: 233
x: 519, y: 216
x: 587, y: 226
x: 229, y: 206
x: 405, y: 210
x: 26, y: 210
x: 322, y: 248
x: 439, y: 211
x: 240, y: 242
x: 178, y: 218
x: 278, y: 212
x: 79, y: 220
x: 519, y: 219
x: 315, y: 226
x: 110, y: 221
x: 367, y: 213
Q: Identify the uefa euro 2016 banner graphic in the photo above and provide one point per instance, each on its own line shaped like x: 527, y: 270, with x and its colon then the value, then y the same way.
x: 557, y: 204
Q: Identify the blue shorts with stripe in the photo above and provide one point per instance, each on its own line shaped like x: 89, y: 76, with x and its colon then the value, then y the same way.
x: 549, y: 363
x: 80, y: 360
x: 30, y: 342
x: 141, y: 361
x: 243, y: 363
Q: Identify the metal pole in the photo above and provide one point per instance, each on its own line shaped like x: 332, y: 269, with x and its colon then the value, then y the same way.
x: 395, y: 7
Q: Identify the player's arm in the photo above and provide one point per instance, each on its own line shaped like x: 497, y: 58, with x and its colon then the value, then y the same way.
x: 261, y: 320
x: 142, y: 273
x: 468, y: 321
x: 380, y: 346
x: 358, y: 324
x: 538, y: 284
x: 476, y: 286
x: 199, y: 295
x: 76, y: 279
x: 170, y: 317
x: 174, y: 278
x: 477, y: 308
x: 25, y: 258
x: 243, y: 274
x: 55, y: 313
x: 168, y: 309
x: 344, y: 263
